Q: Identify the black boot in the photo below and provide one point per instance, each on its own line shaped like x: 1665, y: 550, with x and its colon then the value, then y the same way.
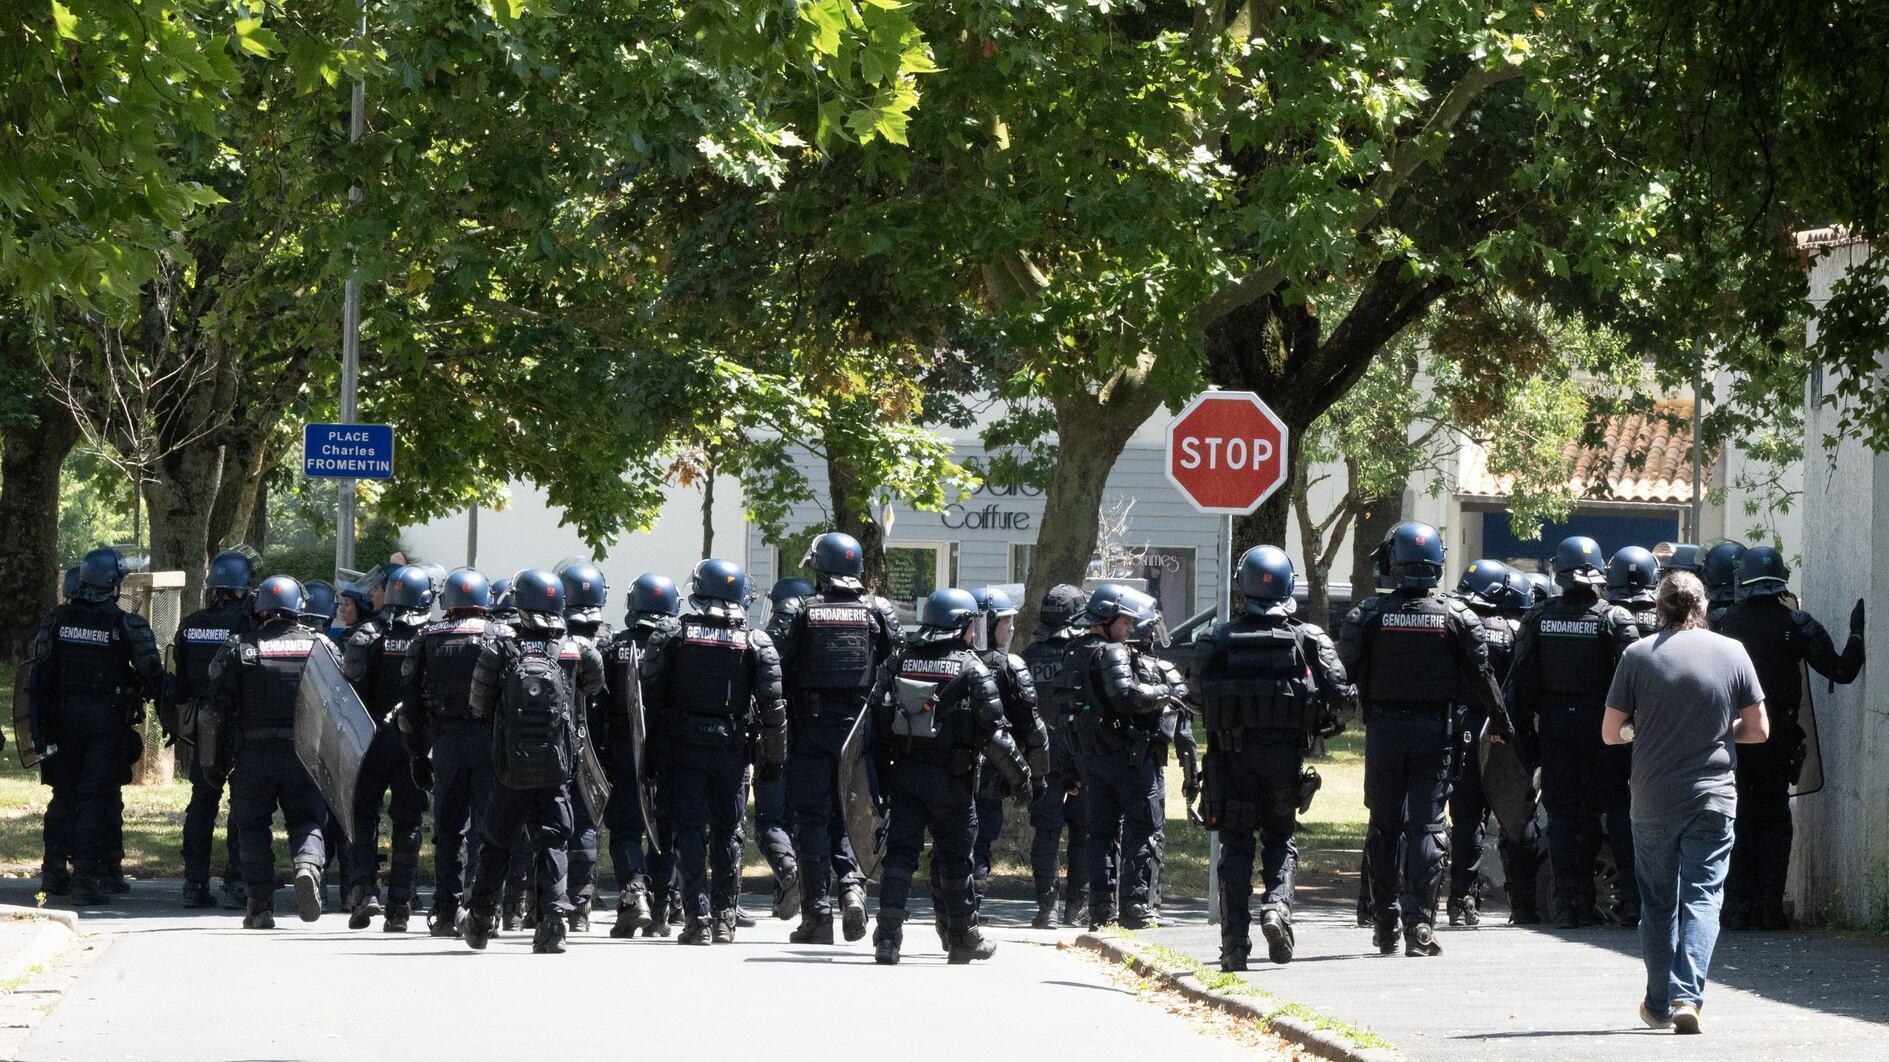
x: 724, y: 928
x: 968, y: 944
x: 88, y: 892
x: 1076, y: 912
x: 940, y: 924
x: 1465, y: 911
x: 261, y: 915
x: 579, y: 918
x: 1568, y: 916
x: 443, y: 920
x: 363, y: 906
x: 509, y: 922
x: 1101, y: 913
x: 1627, y: 912
x: 659, y: 920
x: 695, y: 932
x: 55, y: 880
x: 742, y: 918
x: 853, y: 912
x: 814, y: 928
x: 548, y: 939
x: 1045, y: 914
x: 889, y: 936
x: 197, y: 895
x: 395, y: 920
x: 1234, y: 948
x: 1277, y: 928
x: 235, y: 894
x: 115, y: 882
x: 308, y: 892
x: 1420, y: 940
x: 632, y: 913
x: 1384, y: 935
x: 477, y: 924
x: 787, y: 893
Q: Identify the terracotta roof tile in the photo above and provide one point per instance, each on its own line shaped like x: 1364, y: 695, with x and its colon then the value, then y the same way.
x: 1642, y: 457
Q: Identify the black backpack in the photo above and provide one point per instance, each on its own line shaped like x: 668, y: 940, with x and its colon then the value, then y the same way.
x: 535, y: 746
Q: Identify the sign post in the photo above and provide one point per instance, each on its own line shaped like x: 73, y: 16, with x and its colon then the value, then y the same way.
x: 348, y: 451
x: 1226, y: 454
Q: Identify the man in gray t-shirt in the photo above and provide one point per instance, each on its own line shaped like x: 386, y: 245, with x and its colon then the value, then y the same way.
x: 1682, y: 690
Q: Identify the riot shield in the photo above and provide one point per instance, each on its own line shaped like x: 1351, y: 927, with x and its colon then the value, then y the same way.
x: 23, y: 717
x: 865, y: 824
x: 593, y: 786
x: 1807, y: 778
x: 639, y: 763
x: 1508, y: 787
x: 332, y: 731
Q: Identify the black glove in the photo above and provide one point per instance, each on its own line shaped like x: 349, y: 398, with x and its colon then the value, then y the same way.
x: 770, y: 772
x: 1856, y: 619
x: 1039, y: 784
x: 422, y: 771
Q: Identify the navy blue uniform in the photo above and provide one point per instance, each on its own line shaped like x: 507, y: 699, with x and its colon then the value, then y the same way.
x: 199, y: 637
x: 1063, y: 805
x: 373, y: 659
x: 440, y: 725
x: 1119, y: 760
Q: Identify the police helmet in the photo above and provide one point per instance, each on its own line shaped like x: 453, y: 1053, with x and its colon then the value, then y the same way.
x: 100, y: 572
x: 717, y: 580
x: 1104, y: 604
x: 1265, y: 577
x: 788, y: 589
x: 319, y: 602
x: 1147, y: 612
x: 584, y: 590
x: 230, y: 570
x: 1416, y: 555
x: 1686, y: 557
x: 1513, y: 595
x: 1540, y: 587
x: 837, y: 558
x: 361, y: 592
x: 948, y: 609
x: 69, y: 587
x: 1763, y: 573
x: 538, y: 592
x: 993, y: 604
x: 1721, y: 565
x: 654, y: 594
x: 279, y: 594
x: 1577, y: 562
x: 1632, y: 568
x: 409, y: 587
x: 502, y: 592
x: 1062, y: 604
x: 1483, y: 579
x: 466, y: 588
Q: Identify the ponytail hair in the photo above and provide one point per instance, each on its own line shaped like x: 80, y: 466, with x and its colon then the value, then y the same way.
x: 1681, y: 602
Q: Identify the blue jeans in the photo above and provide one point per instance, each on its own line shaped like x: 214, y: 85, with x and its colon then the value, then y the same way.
x: 1681, y: 870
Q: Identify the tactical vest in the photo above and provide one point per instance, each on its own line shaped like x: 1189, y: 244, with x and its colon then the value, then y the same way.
x: 646, y: 627
x: 199, y: 637
x: 449, y: 651
x: 620, y: 658
x: 272, y: 666
x: 835, y: 653
x: 1257, y: 679
x: 1772, y: 638
x: 708, y: 671
x: 1047, y: 658
x: 928, y: 712
x: 94, y: 656
x: 1412, y: 661
x: 1571, y: 653
x: 383, y: 678
x: 1500, y: 631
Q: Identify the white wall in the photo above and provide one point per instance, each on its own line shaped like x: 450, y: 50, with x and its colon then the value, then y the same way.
x: 526, y: 534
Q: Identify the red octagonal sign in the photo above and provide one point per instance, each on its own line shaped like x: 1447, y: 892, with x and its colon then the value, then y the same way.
x: 1227, y: 452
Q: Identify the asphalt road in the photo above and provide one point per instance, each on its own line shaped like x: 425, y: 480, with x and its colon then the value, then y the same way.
x: 173, y: 984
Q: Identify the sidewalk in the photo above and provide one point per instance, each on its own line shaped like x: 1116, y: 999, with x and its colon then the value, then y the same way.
x: 1503, y: 992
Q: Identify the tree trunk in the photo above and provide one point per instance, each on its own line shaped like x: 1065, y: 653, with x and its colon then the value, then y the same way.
x: 852, y: 512
x: 1094, y: 429
x: 35, y: 445
x: 180, y: 493
x: 245, y: 453
x: 1376, y: 517
x: 708, y: 512
x: 257, y: 531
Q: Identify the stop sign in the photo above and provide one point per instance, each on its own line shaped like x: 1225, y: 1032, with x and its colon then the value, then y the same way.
x: 1227, y: 452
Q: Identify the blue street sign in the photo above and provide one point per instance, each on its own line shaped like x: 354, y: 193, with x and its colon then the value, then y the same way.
x: 348, y: 451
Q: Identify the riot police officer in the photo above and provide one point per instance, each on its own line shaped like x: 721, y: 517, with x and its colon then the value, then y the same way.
x: 373, y: 659
x: 1781, y: 640
x: 936, y: 709
x: 199, y: 636
x: 447, y: 743
x: 996, y: 622
x: 256, y: 678
x: 1685, y: 557
x: 713, y: 693
x: 1421, y: 662
x: 1720, y: 573
x: 504, y: 606
x: 94, y: 666
x: 1632, y: 582
x: 831, y: 645
x: 1499, y: 596
x: 1061, y: 806
x: 321, y: 601
x: 772, y: 823
x: 1118, y: 756
x: 654, y: 605
x: 1268, y: 685
x: 585, y: 595
x: 1565, y: 655
x: 531, y: 682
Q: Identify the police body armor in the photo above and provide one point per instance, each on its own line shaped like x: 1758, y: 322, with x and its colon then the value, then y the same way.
x: 199, y: 637
x: 1643, y: 609
x: 1575, y: 666
x: 1774, y: 638
x: 94, y: 654
x: 383, y: 681
x: 272, y: 664
x: 535, y: 734
x: 620, y: 659
x: 710, y: 684
x: 1257, y: 679
x: 929, y: 722
x: 837, y: 653
x: 1047, y: 658
x: 1500, y: 631
x: 1411, y: 661
x: 1101, y: 728
x: 451, y: 648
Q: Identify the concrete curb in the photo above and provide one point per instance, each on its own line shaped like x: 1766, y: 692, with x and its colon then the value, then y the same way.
x: 1315, y: 1040
x: 58, y: 930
